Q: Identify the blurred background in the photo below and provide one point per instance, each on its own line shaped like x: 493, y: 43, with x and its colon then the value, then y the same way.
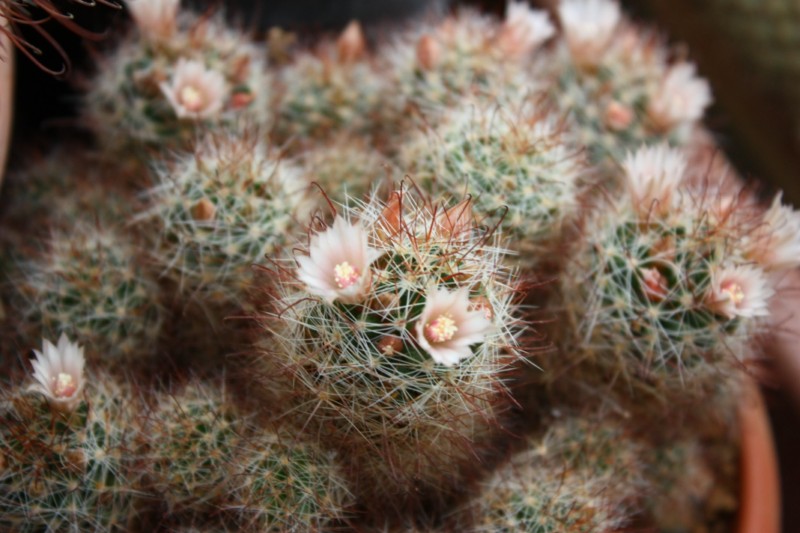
x: 749, y: 50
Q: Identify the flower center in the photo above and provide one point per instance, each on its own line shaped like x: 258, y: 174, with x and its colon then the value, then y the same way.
x: 442, y: 329
x: 191, y: 98
x: 64, y: 385
x: 345, y: 275
x: 734, y: 292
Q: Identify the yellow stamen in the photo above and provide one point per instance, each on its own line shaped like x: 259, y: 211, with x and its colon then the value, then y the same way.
x: 734, y: 292
x: 191, y: 98
x: 345, y: 275
x: 64, y: 385
x: 442, y: 329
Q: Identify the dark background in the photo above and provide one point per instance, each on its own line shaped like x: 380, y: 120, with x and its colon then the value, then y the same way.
x: 749, y: 116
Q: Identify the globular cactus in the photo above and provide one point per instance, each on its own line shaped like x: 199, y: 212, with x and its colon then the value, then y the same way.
x: 466, y: 54
x: 334, y: 89
x: 188, y: 441
x: 221, y: 209
x: 278, y: 483
x: 618, y: 85
x: 515, y: 162
x: 671, y: 281
x: 177, y: 74
x: 346, y: 167
x: 395, y: 336
x: 91, y: 281
x: 67, y: 471
x: 584, y: 475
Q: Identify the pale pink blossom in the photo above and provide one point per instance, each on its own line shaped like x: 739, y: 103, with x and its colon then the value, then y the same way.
x: 524, y: 29
x: 740, y: 291
x: 654, y: 284
x: 682, y: 97
x: 653, y: 173
x: 337, y: 266
x: 195, y: 92
x: 58, y: 371
x: 447, y: 326
x: 775, y: 245
x: 588, y: 28
x: 618, y: 116
x: 156, y: 19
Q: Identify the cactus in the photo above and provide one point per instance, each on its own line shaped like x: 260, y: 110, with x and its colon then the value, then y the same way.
x: 402, y: 349
x: 89, y: 280
x: 160, y: 92
x: 514, y: 162
x: 67, y: 472
x: 221, y: 209
x: 667, y: 284
x: 629, y: 94
x: 281, y: 484
x: 583, y: 475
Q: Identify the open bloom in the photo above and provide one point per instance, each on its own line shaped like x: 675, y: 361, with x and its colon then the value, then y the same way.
x: 58, y: 371
x: 447, y: 327
x: 195, y: 92
x: 337, y: 266
x: 775, y: 245
x: 682, y: 97
x: 588, y: 28
x: 156, y: 19
x: 652, y: 174
x: 524, y: 29
x: 740, y: 291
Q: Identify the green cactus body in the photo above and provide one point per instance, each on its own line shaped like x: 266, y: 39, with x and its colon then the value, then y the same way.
x: 359, y: 370
x: 67, y: 472
x: 520, y: 169
x: 89, y: 280
x: 222, y: 209
x: 277, y: 485
x: 127, y: 103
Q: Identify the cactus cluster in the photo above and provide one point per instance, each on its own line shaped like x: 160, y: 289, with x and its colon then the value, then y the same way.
x: 477, y: 276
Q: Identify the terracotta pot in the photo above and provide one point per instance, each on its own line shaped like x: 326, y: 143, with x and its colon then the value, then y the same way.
x: 6, y: 97
x: 760, y: 498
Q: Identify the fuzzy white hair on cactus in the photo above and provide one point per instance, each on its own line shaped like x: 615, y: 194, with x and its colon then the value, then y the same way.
x: 739, y: 291
x: 524, y: 29
x: 447, y: 327
x: 588, y: 27
x: 653, y: 173
x: 58, y: 370
x: 337, y: 266
x: 775, y: 245
x: 195, y: 92
x: 681, y: 98
x: 156, y: 19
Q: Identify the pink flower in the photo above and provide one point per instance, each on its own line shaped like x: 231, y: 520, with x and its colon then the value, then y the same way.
x: 740, y: 291
x: 654, y: 284
x: 195, y: 92
x: 156, y: 19
x: 59, y: 373
x: 775, y: 245
x: 681, y: 98
x: 524, y: 29
x: 588, y: 28
x: 447, y: 327
x: 652, y: 174
x: 337, y: 266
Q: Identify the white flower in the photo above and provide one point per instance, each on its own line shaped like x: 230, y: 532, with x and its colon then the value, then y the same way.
x: 524, y: 29
x: 338, y: 264
x: 195, y: 91
x: 652, y: 175
x: 59, y: 373
x: 588, y: 27
x: 446, y: 328
x: 740, y: 291
x: 156, y: 19
x: 681, y: 98
x: 775, y: 245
